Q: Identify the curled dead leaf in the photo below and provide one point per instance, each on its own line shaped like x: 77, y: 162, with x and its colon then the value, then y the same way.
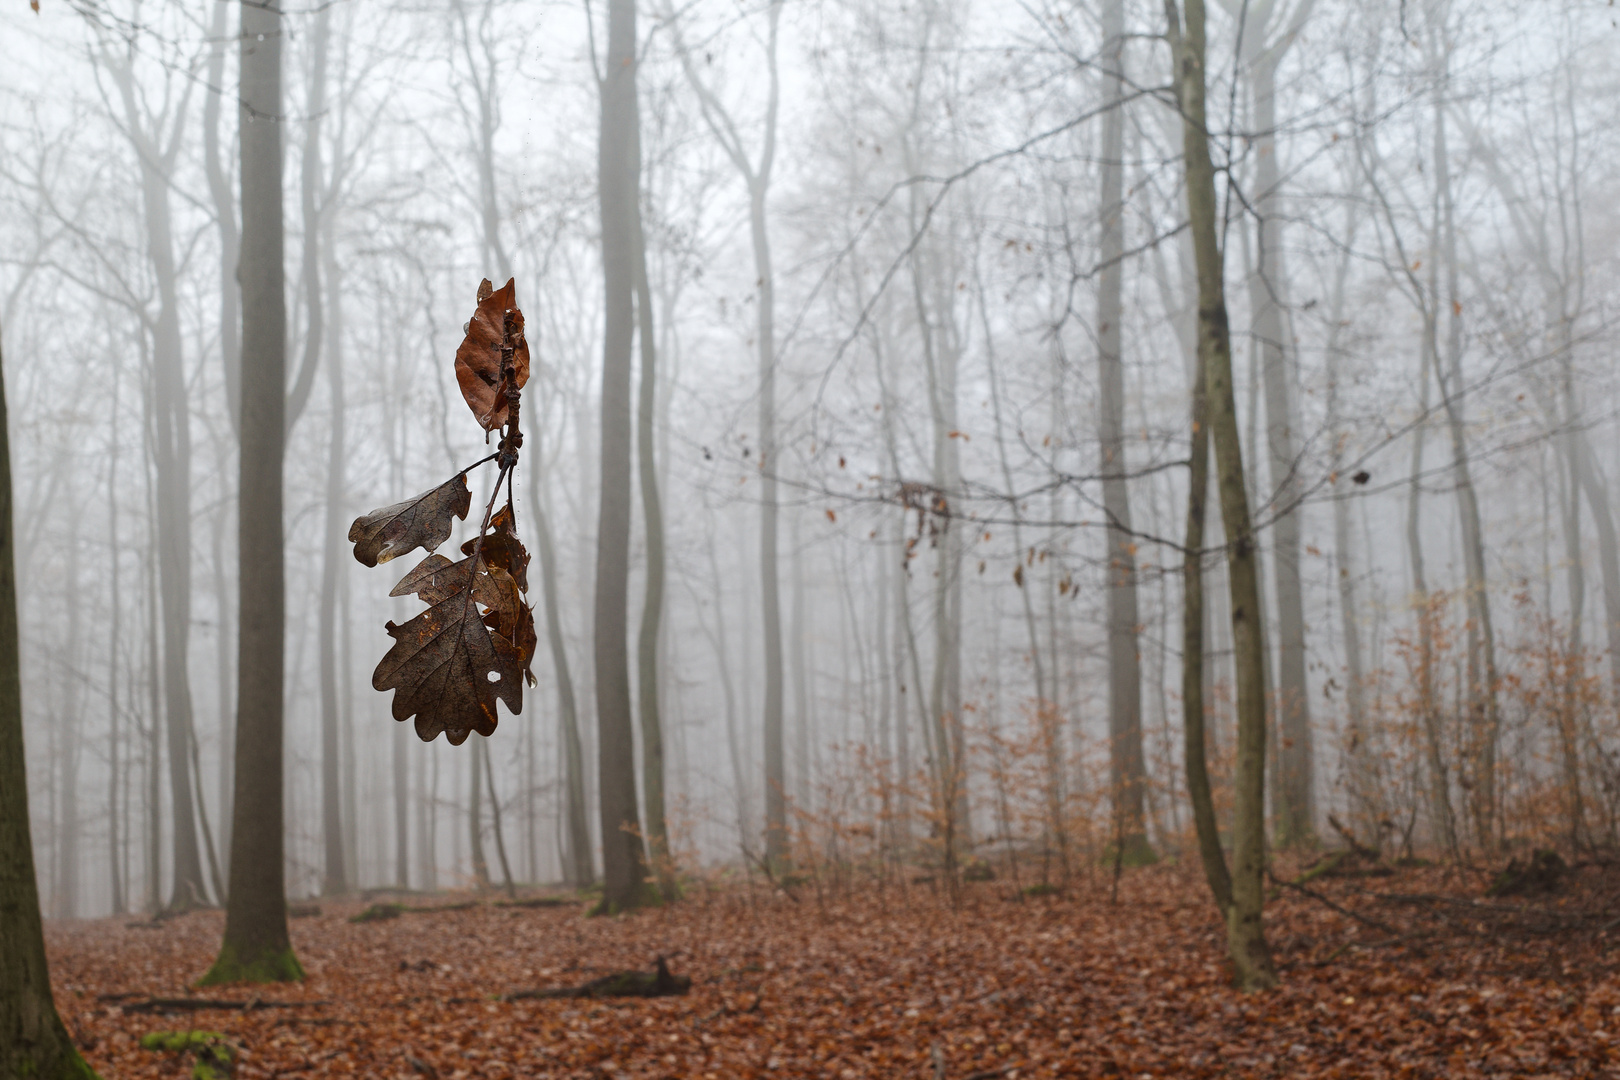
x: 478, y: 360
x: 422, y: 521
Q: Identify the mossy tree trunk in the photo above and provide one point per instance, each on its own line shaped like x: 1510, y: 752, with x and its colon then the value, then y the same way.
x: 33, y: 1041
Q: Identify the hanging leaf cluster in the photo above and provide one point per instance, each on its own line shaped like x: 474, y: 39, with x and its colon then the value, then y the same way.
x: 474, y: 644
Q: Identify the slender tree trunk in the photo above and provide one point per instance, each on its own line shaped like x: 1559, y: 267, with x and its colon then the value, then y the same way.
x: 335, y: 880
x: 648, y: 669
x: 1569, y: 709
x: 256, y: 946
x: 577, y: 862
x: 1246, y: 942
x: 219, y: 189
x: 171, y: 436
x: 801, y: 677
x: 1362, y: 766
x: 623, y: 856
x: 1295, y: 813
x: 475, y: 818
x: 722, y: 653
x: 1127, y: 775
x: 154, y: 728
x: 1484, y: 716
x: 115, y: 778
x: 1196, y: 741
x: 495, y: 818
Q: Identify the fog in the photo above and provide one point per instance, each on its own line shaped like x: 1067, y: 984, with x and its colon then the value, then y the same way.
x: 922, y: 300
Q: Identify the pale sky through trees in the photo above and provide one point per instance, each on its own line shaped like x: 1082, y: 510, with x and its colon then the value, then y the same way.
x: 1442, y: 187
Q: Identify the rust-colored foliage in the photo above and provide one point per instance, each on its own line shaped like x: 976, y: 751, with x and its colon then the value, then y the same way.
x: 475, y: 643
x: 894, y: 985
x: 420, y: 522
x: 479, y: 365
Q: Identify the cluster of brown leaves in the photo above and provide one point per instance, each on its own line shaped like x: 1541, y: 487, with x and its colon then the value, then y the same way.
x: 891, y: 983
x: 474, y: 644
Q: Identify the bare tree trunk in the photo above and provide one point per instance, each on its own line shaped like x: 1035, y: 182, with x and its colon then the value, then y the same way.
x: 577, y: 862
x: 802, y: 721
x: 1361, y: 759
x: 623, y: 856
x: 475, y: 818
x: 722, y: 654
x: 1484, y: 716
x: 1246, y: 942
x: 1296, y: 811
x: 335, y: 878
x: 648, y: 669
x: 256, y: 946
x: 115, y: 821
x: 171, y: 435
x: 757, y: 177
x: 33, y: 1041
x: 482, y: 750
x: 154, y: 730
x: 1195, y: 742
x: 219, y: 188
x: 1127, y: 779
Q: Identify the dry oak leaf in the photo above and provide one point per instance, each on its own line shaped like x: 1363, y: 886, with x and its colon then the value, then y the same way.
x: 447, y: 667
x: 503, y: 549
x: 478, y: 360
x: 422, y: 521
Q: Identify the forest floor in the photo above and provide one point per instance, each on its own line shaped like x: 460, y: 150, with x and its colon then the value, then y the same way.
x: 1427, y: 979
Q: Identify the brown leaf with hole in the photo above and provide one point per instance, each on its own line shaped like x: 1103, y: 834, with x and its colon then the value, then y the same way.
x: 447, y: 666
x: 422, y: 521
x: 478, y: 360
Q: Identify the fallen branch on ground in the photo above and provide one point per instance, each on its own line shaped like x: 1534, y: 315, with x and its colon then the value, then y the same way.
x: 158, y: 1005
x: 659, y: 983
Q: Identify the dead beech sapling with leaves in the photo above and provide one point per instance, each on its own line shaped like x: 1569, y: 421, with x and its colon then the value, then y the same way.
x: 475, y: 642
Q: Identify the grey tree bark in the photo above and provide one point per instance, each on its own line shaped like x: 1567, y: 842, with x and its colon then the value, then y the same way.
x: 115, y: 818
x: 219, y: 190
x: 335, y: 877
x: 1295, y: 813
x: 1484, y: 714
x: 757, y: 178
x: 157, y: 151
x: 1362, y: 767
x: 1246, y: 942
x: 578, y: 868
x: 623, y: 856
x: 1127, y: 774
x: 648, y: 669
x: 256, y: 946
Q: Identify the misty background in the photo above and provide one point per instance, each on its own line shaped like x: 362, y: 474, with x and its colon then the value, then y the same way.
x: 1420, y: 205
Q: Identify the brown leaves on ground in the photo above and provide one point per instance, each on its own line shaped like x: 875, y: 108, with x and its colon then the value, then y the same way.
x: 419, y: 522
x: 896, y: 984
x: 478, y: 360
x: 450, y: 664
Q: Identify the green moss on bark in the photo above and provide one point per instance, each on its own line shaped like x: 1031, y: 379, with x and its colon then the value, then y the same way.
x: 280, y: 966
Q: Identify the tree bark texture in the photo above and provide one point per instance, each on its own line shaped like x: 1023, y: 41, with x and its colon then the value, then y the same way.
x: 256, y: 947
x: 1295, y: 812
x: 33, y: 1041
x: 1246, y: 942
x: 171, y: 453
x: 1127, y: 775
x: 652, y: 520
x: 623, y: 856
